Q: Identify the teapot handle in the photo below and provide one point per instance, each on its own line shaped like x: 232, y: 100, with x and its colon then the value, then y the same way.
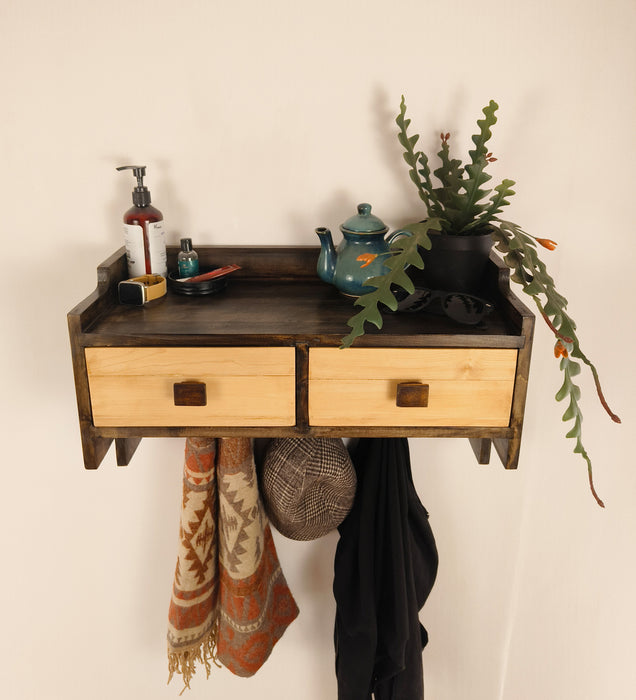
x: 392, y: 237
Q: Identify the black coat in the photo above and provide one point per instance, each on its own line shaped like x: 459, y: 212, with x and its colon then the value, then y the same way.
x: 385, y: 566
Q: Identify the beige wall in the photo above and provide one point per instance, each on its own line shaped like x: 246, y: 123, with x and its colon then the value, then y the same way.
x: 259, y: 121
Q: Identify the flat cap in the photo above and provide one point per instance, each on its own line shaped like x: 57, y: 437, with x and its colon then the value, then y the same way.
x: 308, y: 485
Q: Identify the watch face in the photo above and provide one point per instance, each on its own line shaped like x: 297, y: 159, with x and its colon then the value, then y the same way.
x: 131, y: 293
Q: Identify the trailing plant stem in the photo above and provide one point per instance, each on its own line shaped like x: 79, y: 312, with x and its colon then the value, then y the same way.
x: 521, y: 256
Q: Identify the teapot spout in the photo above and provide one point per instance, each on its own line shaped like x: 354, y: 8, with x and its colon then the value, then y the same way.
x: 327, y: 258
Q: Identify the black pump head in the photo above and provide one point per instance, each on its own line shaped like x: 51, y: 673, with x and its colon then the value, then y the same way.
x: 141, y: 194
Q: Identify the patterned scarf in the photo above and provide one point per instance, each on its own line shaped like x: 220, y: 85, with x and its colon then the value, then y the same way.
x: 230, y: 601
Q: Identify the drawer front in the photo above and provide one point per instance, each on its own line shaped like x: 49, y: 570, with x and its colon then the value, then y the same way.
x: 242, y: 386
x: 457, y: 387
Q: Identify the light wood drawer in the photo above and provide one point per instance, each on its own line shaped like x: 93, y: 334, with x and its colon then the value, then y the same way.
x: 243, y: 386
x: 359, y: 386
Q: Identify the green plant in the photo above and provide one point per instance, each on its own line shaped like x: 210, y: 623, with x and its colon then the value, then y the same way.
x: 459, y: 203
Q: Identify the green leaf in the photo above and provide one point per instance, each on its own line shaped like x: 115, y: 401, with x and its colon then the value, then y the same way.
x: 576, y: 430
x: 470, y: 207
x: 404, y: 281
x: 481, y: 139
x: 423, y: 183
x: 533, y: 288
x: 550, y: 308
x: 579, y: 449
x: 499, y: 199
x: 571, y: 411
x: 405, y: 253
x: 420, y: 229
x: 564, y: 390
x: 450, y: 175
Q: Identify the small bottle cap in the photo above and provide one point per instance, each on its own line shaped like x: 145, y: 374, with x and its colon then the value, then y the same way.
x: 186, y: 245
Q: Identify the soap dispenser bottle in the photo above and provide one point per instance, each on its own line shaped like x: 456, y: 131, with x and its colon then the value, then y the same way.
x: 144, y: 234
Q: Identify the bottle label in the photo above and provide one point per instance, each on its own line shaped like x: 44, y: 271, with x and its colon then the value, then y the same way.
x: 134, y: 241
x: 188, y: 268
x: 157, y: 240
x: 135, y: 255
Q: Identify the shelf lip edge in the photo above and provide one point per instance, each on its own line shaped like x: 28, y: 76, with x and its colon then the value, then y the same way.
x: 316, y: 431
x: 89, y: 339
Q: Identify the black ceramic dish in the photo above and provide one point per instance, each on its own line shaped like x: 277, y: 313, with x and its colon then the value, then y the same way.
x: 197, y: 289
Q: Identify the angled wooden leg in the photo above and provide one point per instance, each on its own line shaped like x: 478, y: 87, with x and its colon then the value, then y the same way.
x: 94, y: 447
x: 481, y: 448
x: 125, y: 449
x: 508, y: 450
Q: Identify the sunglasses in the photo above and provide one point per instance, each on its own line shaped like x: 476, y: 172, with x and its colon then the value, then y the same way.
x: 463, y: 308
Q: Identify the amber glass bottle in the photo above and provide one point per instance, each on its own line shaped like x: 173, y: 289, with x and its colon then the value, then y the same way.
x: 144, y: 234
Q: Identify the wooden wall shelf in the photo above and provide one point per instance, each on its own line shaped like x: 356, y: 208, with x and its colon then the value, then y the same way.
x: 261, y: 359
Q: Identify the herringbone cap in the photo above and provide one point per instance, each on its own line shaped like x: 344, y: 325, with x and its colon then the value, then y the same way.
x: 308, y: 485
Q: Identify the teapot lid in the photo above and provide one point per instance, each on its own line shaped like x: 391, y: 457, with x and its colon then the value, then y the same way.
x: 364, y: 222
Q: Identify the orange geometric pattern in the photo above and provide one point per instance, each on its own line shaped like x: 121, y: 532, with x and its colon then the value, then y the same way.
x: 230, y: 602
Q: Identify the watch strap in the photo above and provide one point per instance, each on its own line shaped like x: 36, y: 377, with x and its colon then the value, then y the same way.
x: 154, y: 286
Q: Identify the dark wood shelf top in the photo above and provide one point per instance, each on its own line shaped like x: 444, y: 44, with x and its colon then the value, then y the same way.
x: 277, y: 298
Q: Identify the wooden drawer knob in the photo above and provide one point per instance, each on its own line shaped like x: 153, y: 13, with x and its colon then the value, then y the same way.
x: 190, y: 394
x: 412, y: 395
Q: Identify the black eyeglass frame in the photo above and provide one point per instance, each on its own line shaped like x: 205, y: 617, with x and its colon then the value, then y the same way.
x: 472, y: 309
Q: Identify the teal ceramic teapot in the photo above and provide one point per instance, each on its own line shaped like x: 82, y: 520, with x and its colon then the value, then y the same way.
x: 359, y: 256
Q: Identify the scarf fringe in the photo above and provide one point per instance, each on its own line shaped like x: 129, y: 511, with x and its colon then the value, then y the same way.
x: 184, y: 662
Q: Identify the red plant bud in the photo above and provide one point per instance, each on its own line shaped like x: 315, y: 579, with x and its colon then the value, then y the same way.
x: 560, y: 350
x: 546, y: 243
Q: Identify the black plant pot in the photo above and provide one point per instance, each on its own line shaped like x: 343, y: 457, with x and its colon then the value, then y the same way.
x: 454, y: 263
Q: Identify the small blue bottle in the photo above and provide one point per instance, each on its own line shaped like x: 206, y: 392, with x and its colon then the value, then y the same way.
x: 187, y: 259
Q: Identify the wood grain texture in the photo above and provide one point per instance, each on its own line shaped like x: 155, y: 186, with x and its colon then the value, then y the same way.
x: 467, y: 386
x: 244, y: 386
x: 191, y: 362
x: 420, y: 364
x: 372, y: 402
x: 231, y: 401
x: 414, y: 431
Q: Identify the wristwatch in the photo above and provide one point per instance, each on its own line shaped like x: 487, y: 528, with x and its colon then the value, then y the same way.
x: 139, y: 290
